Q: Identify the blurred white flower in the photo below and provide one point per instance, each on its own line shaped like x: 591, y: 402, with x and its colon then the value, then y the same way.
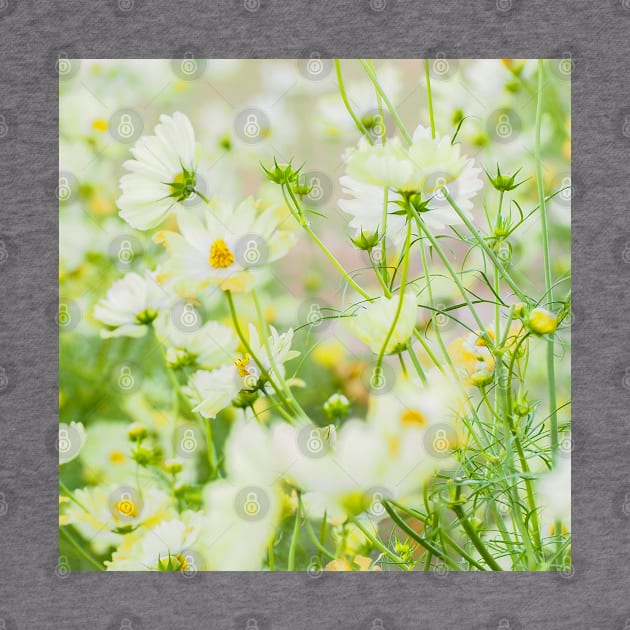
x: 244, y: 509
x: 162, y: 173
x: 226, y: 248
x: 212, y: 391
x: 554, y: 495
x: 391, y: 454
x: 373, y: 321
x: 130, y: 305
x: 210, y: 346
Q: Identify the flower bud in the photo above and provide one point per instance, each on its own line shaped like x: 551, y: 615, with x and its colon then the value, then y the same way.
x: 336, y: 407
x: 173, y: 466
x: 136, y: 432
x: 542, y: 322
x: 366, y: 242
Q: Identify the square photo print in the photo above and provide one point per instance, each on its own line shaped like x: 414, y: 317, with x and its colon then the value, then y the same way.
x: 314, y: 315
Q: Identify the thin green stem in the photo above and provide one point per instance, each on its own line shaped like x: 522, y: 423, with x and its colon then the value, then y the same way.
x: 551, y: 370
x: 474, y: 538
x: 344, y: 97
x: 82, y: 552
x: 427, y: 76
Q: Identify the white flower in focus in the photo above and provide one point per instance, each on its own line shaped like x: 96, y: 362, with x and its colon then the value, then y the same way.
x: 429, y: 167
x: 226, y: 248
x: 443, y: 167
x: 71, y: 440
x: 373, y: 321
x: 162, y: 173
x: 130, y: 305
x: 111, y: 513
x: 169, y: 546
x: 212, y: 391
x: 208, y: 347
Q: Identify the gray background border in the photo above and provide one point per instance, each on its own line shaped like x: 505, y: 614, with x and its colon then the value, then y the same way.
x: 595, y: 35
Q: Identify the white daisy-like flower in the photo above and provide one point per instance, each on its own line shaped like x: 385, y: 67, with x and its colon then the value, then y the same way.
x: 72, y: 438
x: 226, y: 248
x: 208, y: 347
x: 162, y: 173
x: 428, y: 168
x: 131, y: 304
x: 212, y: 391
x: 104, y: 514
x: 373, y: 320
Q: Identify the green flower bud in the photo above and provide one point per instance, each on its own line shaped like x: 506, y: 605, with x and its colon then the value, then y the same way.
x: 336, y: 407
x: 366, y: 242
x: 137, y: 432
x: 504, y: 183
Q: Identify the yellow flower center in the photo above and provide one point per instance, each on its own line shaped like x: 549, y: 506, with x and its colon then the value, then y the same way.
x: 241, y: 366
x: 413, y: 416
x: 220, y: 255
x: 127, y: 508
x: 99, y: 124
x: 116, y: 457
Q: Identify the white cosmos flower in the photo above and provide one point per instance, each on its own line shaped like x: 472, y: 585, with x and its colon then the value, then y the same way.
x: 244, y: 509
x: 172, y: 545
x: 428, y: 167
x: 391, y: 454
x: 373, y: 320
x: 130, y: 305
x: 162, y: 173
x: 225, y: 248
x: 112, y: 513
x: 210, y: 346
x: 212, y: 391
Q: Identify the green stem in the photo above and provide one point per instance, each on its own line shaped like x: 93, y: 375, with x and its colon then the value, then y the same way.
x: 379, y: 545
x: 82, y: 552
x: 551, y: 371
x: 427, y: 75
x: 344, y: 97
x: 392, y: 110
x: 474, y: 538
x: 294, y: 539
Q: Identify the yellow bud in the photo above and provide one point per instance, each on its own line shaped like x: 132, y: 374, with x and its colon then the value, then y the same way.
x: 542, y: 322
